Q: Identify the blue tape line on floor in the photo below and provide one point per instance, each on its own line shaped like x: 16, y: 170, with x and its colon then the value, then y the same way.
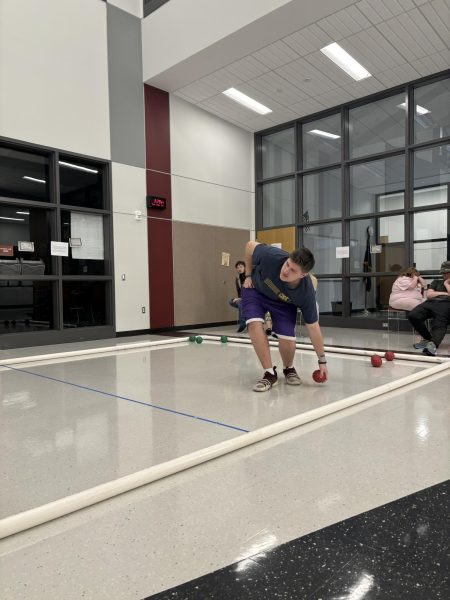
x: 170, y: 410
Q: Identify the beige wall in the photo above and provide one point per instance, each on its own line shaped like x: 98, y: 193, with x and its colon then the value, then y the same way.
x: 202, y: 286
x: 285, y: 235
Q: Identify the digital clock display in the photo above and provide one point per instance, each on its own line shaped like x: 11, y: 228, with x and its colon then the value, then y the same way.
x: 156, y: 202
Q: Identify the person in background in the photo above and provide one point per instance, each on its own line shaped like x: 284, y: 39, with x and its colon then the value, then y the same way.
x: 437, y: 308
x: 406, y: 292
x: 236, y: 302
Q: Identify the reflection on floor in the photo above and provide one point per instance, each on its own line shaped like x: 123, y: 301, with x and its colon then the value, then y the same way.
x: 382, y: 553
x: 226, y: 511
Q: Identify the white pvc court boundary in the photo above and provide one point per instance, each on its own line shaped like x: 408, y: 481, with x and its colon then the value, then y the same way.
x: 64, y: 506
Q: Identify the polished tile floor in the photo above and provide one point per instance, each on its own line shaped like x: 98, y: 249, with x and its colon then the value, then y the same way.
x: 71, y: 424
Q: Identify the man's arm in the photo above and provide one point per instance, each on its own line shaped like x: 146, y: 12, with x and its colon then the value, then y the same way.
x: 315, y: 335
x: 434, y: 294
x: 249, y: 249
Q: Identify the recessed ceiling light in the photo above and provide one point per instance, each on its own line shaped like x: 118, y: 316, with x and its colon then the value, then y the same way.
x: 325, y: 134
x: 78, y: 167
x: 346, y: 62
x: 22, y: 212
x: 420, y: 110
x: 245, y: 100
x: 11, y: 219
x: 34, y: 179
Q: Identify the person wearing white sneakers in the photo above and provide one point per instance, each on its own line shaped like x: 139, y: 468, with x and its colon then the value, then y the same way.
x: 279, y: 282
x: 437, y: 308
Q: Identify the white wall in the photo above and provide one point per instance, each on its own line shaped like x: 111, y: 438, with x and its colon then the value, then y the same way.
x: 134, y: 7
x: 212, y: 168
x: 54, y: 74
x: 130, y: 247
x: 207, y: 21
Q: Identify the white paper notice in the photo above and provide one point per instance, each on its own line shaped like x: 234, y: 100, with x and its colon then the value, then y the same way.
x: 59, y: 248
x: 89, y: 228
x: 375, y: 249
x: 343, y: 252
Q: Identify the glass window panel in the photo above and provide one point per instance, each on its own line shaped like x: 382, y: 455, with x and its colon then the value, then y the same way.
x: 84, y: 303
x: 24, y: 175
x: 322, y: 195
x: 431, y: 234
x: 431, y: 111
x: 26, y: 306
x: 371, y: 302
x: 377, y: 186
x: 81, y: 184
x: 323, y: 240
x: 278, y: 203
x: 87, y: 259
x: 19, y: 224
x: 278, y: 153
x: 377, y: 127
x: 377, y: 244
x: 322, y: 142
x: 431, y: 171
x: 329, y: 296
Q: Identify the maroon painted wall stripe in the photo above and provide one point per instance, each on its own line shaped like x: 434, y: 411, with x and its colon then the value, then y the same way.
x: 160, y: 253
x: 157, y: 129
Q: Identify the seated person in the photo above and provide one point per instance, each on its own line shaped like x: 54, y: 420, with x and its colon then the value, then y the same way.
x: 437, y: 308
x: 236, y: 302
x: 406, y: 292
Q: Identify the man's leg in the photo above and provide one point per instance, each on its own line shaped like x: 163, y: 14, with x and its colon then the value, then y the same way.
x: 253, y: 308
x: 417, y: 317
x: 440, y: 322
x: 287, y: 351
x: 260, y: 343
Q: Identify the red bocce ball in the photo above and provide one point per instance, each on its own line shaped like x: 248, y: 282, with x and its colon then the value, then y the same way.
x: 376, y: 360
x: 318, y: 377
x: 389, y: 355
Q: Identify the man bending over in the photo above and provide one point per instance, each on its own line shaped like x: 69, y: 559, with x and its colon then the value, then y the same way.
x: 278, y: 282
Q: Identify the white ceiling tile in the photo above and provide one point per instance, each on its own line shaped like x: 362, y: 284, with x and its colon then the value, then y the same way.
x: 422, y: 32
x: 265, y: 94
x: 247, y: 68
x: 437, y: 15
x: 282, y: 115
x: 307, y: 40
x: 198, y: 91
x: 335, y: 97
x: 405, y: 5
x: 355, y: 13
x: 326, y: 69
x: 398, y: 75
x: 368, y: 10
x: 382, y: 8
x: 307, y: 107
x: 433, y: 63
x: 338, y: 26
x: 275, y: 55
x: 279, y: 87
x: 301, y: 70
x: 394, y: 32
x: 373, y: 51
x: 420, y: 2
x: 221, y: 80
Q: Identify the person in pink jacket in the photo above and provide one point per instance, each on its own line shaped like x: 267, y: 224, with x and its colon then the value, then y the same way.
x: 407, y: 290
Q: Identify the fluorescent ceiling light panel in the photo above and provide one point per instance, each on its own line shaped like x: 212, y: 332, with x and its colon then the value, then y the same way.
x: 22, y: 212
x: 420, y: 110
x: 325, y: 134
x: 346, y: 62
x: 34, y: 179
x: 11, y: 219
x: 78, y: 167
x: 246, y: 101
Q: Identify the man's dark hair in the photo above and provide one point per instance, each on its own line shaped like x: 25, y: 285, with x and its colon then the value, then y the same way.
x: 239, y: 262
x: 304, y: 258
